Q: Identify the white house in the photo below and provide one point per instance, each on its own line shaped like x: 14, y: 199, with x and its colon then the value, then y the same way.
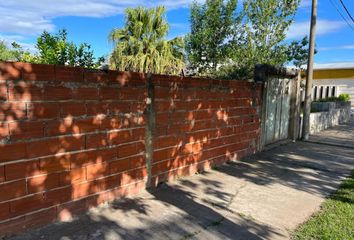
x: 332, y: 80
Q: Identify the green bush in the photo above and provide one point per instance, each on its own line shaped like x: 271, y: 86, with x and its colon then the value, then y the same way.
x: 344, y: 97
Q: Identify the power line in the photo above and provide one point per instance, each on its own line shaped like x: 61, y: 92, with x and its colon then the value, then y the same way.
x: 345, y: 8
x: 340, y: 13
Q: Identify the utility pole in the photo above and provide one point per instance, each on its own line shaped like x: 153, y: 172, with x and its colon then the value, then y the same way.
x: 309, y: 74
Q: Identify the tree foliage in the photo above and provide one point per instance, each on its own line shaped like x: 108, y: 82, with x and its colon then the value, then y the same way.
x: 13, y: 53
x: 212, y: 24
x: 264, y: 29
x: 141, y: 46
x: 255, y: 35
x: 56, y: 49
x: 297, y: 52
x: 266, y: 26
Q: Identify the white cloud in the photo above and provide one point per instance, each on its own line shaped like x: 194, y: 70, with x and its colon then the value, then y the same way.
x: 337, y: 63
x: 348, y: 47
x: 8, y: 39
x: 301, y: 29
x: 30, y: 17
x: 344, y: 47
x: 305, y: 3
x: 11, y: 38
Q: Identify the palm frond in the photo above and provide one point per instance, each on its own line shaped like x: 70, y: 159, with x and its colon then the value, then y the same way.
x: 140, y: 45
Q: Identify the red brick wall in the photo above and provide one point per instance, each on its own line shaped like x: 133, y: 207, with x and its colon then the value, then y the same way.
x: 202, y: 122
x: 72, y: 138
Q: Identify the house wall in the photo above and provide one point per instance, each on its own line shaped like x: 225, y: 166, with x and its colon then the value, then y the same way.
x: 72, y: 138
x: 342, y: 86
x: 336, y: 114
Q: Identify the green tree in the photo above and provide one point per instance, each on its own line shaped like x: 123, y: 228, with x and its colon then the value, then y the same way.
x: 297, y: 52
x: 56, y: 49
x: 10, y: 54
x: 228, y: 44
x: 212, y: 25
x: 140, y: 46
x: 265, y: 25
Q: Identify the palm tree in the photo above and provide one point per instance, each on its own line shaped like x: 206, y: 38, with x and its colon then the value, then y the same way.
x: 140, y: 46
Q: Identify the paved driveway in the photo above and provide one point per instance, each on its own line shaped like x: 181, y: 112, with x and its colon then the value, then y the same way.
x: 263, y: 197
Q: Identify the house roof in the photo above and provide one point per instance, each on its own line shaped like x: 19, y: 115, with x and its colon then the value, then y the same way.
x: 340, y: 65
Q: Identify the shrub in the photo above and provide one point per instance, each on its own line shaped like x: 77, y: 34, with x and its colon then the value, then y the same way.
x: 344, y: 97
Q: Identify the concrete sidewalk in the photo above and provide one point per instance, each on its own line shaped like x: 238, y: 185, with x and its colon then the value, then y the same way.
x: 342, y: 135
x: 263, y: 197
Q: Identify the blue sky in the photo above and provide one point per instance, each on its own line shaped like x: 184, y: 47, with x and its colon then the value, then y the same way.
x: 91, y: 20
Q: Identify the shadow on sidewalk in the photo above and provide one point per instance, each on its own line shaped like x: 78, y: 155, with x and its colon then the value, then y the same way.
x: 190, y: 221
x: 302, y: 166
x: 197, y: 207
x: 206, y: 217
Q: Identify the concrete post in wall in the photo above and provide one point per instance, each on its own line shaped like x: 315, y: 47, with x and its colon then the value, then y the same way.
x: 260, y: 76
x: 150, y: 127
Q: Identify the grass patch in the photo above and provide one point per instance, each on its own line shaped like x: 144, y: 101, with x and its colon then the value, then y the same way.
x: 335, y: 220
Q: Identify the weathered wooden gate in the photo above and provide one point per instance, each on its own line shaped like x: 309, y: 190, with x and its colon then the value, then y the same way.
x: 277, y: 110
x: 280, y: 110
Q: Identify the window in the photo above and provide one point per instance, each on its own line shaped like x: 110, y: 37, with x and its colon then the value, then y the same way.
x: 315, y: 93
x: 333, y: 91
x: 327, y: 91
x: 321, y: 92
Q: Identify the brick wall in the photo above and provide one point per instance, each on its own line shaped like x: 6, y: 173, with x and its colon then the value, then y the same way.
x: 202, y: 122
x: 72, y: 138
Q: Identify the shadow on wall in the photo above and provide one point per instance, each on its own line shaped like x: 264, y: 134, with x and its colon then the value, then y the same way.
x: 131, y: 218
x: 202, y: 122
x: 73, y: 138
x: 67, y: 134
